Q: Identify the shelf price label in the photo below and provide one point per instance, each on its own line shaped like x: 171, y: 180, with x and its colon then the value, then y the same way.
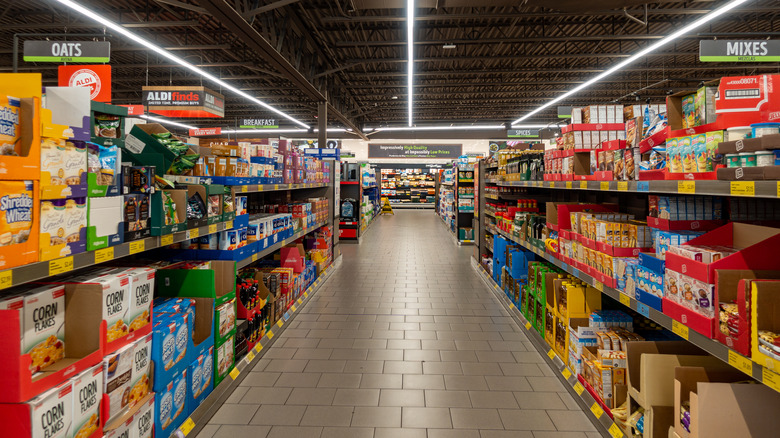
x: 680, y: 329
x: 625, y: 300
x: 551, y: 354
x: 228, y: 225
x: 569, y: 185
x: 166, y: 240
x: 254, y: 257
x: 598, y: 285
x: 6, y: 279
x: 187, y: 426
x: 258, y: 347
x: 279, y: 323
x: 528, y: 326
x: 300, y: 301
x: 137, y: 246
x: 741, y: 363
x: 771, y: 379
x: 643, y: 186
x: 552, y: 184
x: 622, y: 186
x: 234, y: 373
x: 276, y: 186
x: 244, y: 189
x: 615, y: 431
x: 61, y: 266
x: 604, y: 185
x: 578, y: 388
x: 686, y: 187
x: 583, y: 185
x: 306, y: 294
x: 193, y: 233
x: 566, y: 373
x: 293, y: 308
x: 270, y: 334
x: 250, y: 357
x: 743, y: 188
x: 643, y: 309
x: 104, y: 255
x: 596, y: 409
x: 212, y: 228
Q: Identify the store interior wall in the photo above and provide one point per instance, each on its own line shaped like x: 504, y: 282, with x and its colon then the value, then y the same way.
x: 360, y: 149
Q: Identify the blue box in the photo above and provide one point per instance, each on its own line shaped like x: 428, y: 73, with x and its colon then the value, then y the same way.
x: 200, y: 380
x: 171, y: 337
x: 649, y: 286
x: 170, y: 404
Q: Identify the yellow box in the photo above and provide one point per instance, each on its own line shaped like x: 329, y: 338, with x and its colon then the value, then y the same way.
x: 765, y: 315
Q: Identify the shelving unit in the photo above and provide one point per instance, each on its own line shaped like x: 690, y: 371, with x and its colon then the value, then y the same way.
x: 365, y: 193
x: 408, y: 187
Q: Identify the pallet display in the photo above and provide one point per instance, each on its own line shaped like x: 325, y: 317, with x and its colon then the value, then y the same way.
x: 359, y: 201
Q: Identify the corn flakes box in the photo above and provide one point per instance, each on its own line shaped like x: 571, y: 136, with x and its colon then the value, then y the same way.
x: 87, y: 394
x: 16, y: 211
x: 140, y: 379
x: 117, y: 375
x: 143, y: 421
x: 116, y: 304
x: 121, y: 430
x: 15, y: 302
x: 52, y: 412
x: 141, y: 294
x: 44, y: 326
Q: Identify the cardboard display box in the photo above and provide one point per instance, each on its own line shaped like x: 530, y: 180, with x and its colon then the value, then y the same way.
x: 104, y: 222
x: 179, y: 198
x: 765, y: 315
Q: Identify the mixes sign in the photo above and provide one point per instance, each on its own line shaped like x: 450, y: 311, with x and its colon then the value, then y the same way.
x: 739, y: 50
x: 414, y: 151
x: 177, y: 101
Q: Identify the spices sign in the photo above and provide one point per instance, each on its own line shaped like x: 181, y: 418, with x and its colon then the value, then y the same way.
x: 67, y: 51
x: 739, y: 50
x: 178, y: 101
x: 522, y: 133
x: 447, y: 151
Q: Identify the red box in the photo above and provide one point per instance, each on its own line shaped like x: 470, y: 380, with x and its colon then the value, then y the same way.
x: 17, y: 420
x: 616, y: 251
x: 757, y: 247
x: 658, y: 138
x: 292, y: 258
x: 667, y: 225
x: 604, y: 175
x: 593, y: 127
x: 693, y: 320
x: 613, y: 145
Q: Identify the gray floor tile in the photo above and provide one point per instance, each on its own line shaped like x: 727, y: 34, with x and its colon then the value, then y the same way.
x: 233, y: 431
x: 266, y: 396
x: 399, y: 433
x: 311, y: 396
x: 339, y: 381
x: 286, y: 365
x: 325, y: 366
x: 504, y: 383
x: 260, y: 379
x: 447, y: 399
x: 430, y: 418
x: 474, y: 418
x: 505, y: 434
x: 421, y: 381
x: 493, y: 399
x: 298, y: 380
x: 539, y: 400
x: 347, y: 432
x: 237, y: 395
x: 476, y: 383
x: 481, y: 369
x: 335, y: 416
x: 452, y: 433
x: 382, y: 381
x: 275, y: 415
x: 542, y: 434
x: 294, y: 431
x: 403, y: 367
x: 545, y: 384
x: 402, y: 397
x: 570, y: 420
x: 384, y: 416
x: 364, y: 366
x: 234, y: 414
x: 356, y: 397
x: 526, y: 419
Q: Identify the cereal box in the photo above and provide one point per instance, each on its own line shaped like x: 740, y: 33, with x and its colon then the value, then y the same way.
x: 170, y: 404
x: 143, y: 421
x: 200, y: 378
x: 87, y: 394
x: 226, y: 318
x: 140, y: 379
x: 52, y: 412
x: 121, y: 430
x: 15, y: 302
x: 9, y: 126
x: 44, y: 321
x: 16, y: 211
x: 117, y: 375
x: 224, y: 357
x: 142, y: 291
x: 116, y: 304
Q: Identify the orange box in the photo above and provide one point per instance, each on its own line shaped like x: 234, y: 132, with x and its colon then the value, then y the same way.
x: 18, y: 201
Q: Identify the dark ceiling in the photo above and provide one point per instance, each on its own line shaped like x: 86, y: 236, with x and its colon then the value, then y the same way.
x: 509, y: 56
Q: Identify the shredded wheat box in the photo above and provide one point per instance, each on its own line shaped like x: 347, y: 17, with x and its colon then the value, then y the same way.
x: 52, y: 412
x: 87, y: 393
x: 44, y: 326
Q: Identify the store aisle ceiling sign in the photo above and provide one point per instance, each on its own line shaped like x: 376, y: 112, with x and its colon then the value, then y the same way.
x: 199, y: 132
x: 739, y: 51
x: 96, y: 77
x: 522, y: 133
x: 183, y: 101
x: 67, y: 51
x: 414, y: 151
x: 258, y: 124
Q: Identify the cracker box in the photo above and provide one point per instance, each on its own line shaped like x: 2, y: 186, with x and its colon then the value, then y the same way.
x: 142, y: 425
x: 200, y: 378
x: 170, y: 404
x: 87, y: 394
x: 140, y: 379
x: 44, y: 318
x: 117, y: 377
x: 52, y: 412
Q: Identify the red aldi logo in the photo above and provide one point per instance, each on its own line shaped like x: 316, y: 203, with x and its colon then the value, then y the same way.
x: 96, y: 77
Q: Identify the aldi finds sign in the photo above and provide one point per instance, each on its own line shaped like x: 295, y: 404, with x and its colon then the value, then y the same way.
x: 67, y: 51
x: 739, y: 51
x: 176, y: 101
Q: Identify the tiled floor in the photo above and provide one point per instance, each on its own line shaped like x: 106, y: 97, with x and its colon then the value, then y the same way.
x: 403, y: 341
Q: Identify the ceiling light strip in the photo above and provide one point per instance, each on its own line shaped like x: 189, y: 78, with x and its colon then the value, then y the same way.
x: 444, y: 128
x: 652, y: 47
x: 130, y: 35
x: 410, y: 54
x: 165, y: 121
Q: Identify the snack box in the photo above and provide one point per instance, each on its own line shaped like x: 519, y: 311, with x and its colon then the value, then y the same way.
x: 765, y: 323
x: 170, y: 404
x: 22, y: 127
x: 63, y: 169
x: 136, y: 213
x: 63, y: 228
x: 224, y: 358
x: 169, y: 211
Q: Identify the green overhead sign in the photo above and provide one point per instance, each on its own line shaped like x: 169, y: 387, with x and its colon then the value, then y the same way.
x: 258, y: 124
x: 522, y: 133
x: 67, y: 51
x: 739, y: 50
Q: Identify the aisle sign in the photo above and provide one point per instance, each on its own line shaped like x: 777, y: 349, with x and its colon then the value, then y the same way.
x: 739, y: 50
x: 522, y: 133
x: 67, y: 51
x: 183, y: 101
x: 258, y: 124
x: 96, y: 77
x: 449, y: 151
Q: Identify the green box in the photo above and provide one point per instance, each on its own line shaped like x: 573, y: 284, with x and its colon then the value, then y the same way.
x: 224, y: 316
x: 225, y: 353
x: 100, y: 107
x: 211, y: 190
x: 219, y: 282
x: 158, y: 221
x: 144, y: 150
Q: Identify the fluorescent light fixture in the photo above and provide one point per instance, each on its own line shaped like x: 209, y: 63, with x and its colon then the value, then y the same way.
x: 276, y: 130
x: 439, y: 128
x: 165, y: 121
x: 633, y: 58
x: 410, y: 50
x: 448, y: 46
x: 166, y: 54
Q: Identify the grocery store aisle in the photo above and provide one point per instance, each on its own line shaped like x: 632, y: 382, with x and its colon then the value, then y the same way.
x: 404, y: 340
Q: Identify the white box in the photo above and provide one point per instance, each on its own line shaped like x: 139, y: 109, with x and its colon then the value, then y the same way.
x: 44, y: 320
x: 595, y: 138
x: 576, y: 115
x: 140, y: 380
x: 117, y: 375
x: 87, y: 394
x: 143, y: 421
x: 105, y: 214
x: 52, y: 412
x: 602, y: 114
x: 141, y: 294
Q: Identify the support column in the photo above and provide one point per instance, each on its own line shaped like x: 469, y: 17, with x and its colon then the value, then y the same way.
x: 322, y: 124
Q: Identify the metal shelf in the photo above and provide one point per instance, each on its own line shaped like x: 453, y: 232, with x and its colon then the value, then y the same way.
x: 256, y: 256
x: 757, y: 189
x: 40, y: 270
x: 251, y: 188
x: 589, y: 404
x: 711, y: 346
x: 200, y: 417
